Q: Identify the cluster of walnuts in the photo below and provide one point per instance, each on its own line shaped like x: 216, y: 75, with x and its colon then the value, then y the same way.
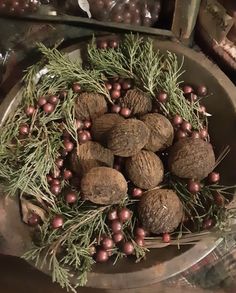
x: 136, y: 140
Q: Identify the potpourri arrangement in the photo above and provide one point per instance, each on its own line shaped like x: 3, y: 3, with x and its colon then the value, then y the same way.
x: 110, y: 157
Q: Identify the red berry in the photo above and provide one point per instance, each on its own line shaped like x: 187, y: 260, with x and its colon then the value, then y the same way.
x: 68, y: 145
x: 42, y: 101
x: 202, y: 90
x: 186, y: 126
x: 53, y: 99
x: 124, y: 214
x: 59, y: 162
x: 116, y: 86
x: 49, y: 178
x: 113, y: 44
x: 29, y: 111
x: 24, y: 129
x: 88, y: 134
x: 162, y: 97
x: 187, y: 89
x: 55, y: 189
x: 116, y: 226
x: 71, y: 197
x: 140, y: 241
x: 102, y: 256
x: 207, y: 224
x: 92, y: 250
x: 181, y: 134
x: 193, y: 187
x: 213, y: 177
x: 137, y: 192
x: 115, y: 94
x: 55, y: 182
x: 118, y: 237
x: 203, y: 133
x: 107, y: 243
x: 113, y: 215
x: 102, y: 44
x: 34, y: 220
x: 48, y: 108
x: 202, y: 109
x: 128, y: 248
x: 192, y: 97
x: 115, y: 108
x: 79, y: 124
x: 219, y: 199
x: 166, y: 237
x: 57, y: 222
x: 87, y: 124
x: 195, y: 134
x: 177, y: 120
x: 108, y: 85
x: 67, y: 174
x: 140, y: 232
x: 83, y: 137
x: 126, y: 85
x: 76, y: 87
x: 125, y: 112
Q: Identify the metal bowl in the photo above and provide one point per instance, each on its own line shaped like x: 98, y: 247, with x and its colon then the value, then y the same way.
x: 164, y: 263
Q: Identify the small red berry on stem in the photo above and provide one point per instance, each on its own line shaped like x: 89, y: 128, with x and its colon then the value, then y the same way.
x: 53, y: 99
x: 115, y: 94
x: 48, y: 108
x: 42, y: 101
x: 140, y: 241
x: 79, y: 124
x: 126, y: 85
x: 193, y: 186
x: 107, y: 243
x: 24, y: 129
x: 29, y: 111
x: 87, y: 124
x: 124, y: 215
x: 137, y: 192
x: 34, y: 219
x: 67, y: 174
x: 214, y: 177
x: 68, y: 145
x: 83, y: 137
x: 76, y: 87
x: 116, y: 86
x: 71, y: 197
x: 116, y: 226
x: 195, y: 134
x: 128, y: 248
x: 202, y: 90
x: 102, y: 44
x: 108, y: 85
x: 187, y: 89
x: 180, y: 134
x: 203, y: 133
x: 219, y: 199
x: 207, y: 224
x: 55, y: 182
x: 118, y: 237
x: 177, y: 120
x: 57, y: 222
x: 162, y: 97
x: 102, y: 256
x: 125, y: 112
x: 112, y: 215
x: 115, y: 108
x: 186, y: 126
x: 166, y: 238
x: 59, y: 162
x: 113, y: 44
x: 140, y: 232
x: 55, y: 189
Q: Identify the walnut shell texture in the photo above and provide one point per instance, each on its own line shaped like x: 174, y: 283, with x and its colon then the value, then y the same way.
x: 191, y: 158
x: 160, y: 211
x: 162, y: 132
x: 90, y: 106
x: 128, y: 138
x: 102, y: 185
x: 145, y: 169
x: 103, y: 124
x: 137, y: 101
x: 89, y: 155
